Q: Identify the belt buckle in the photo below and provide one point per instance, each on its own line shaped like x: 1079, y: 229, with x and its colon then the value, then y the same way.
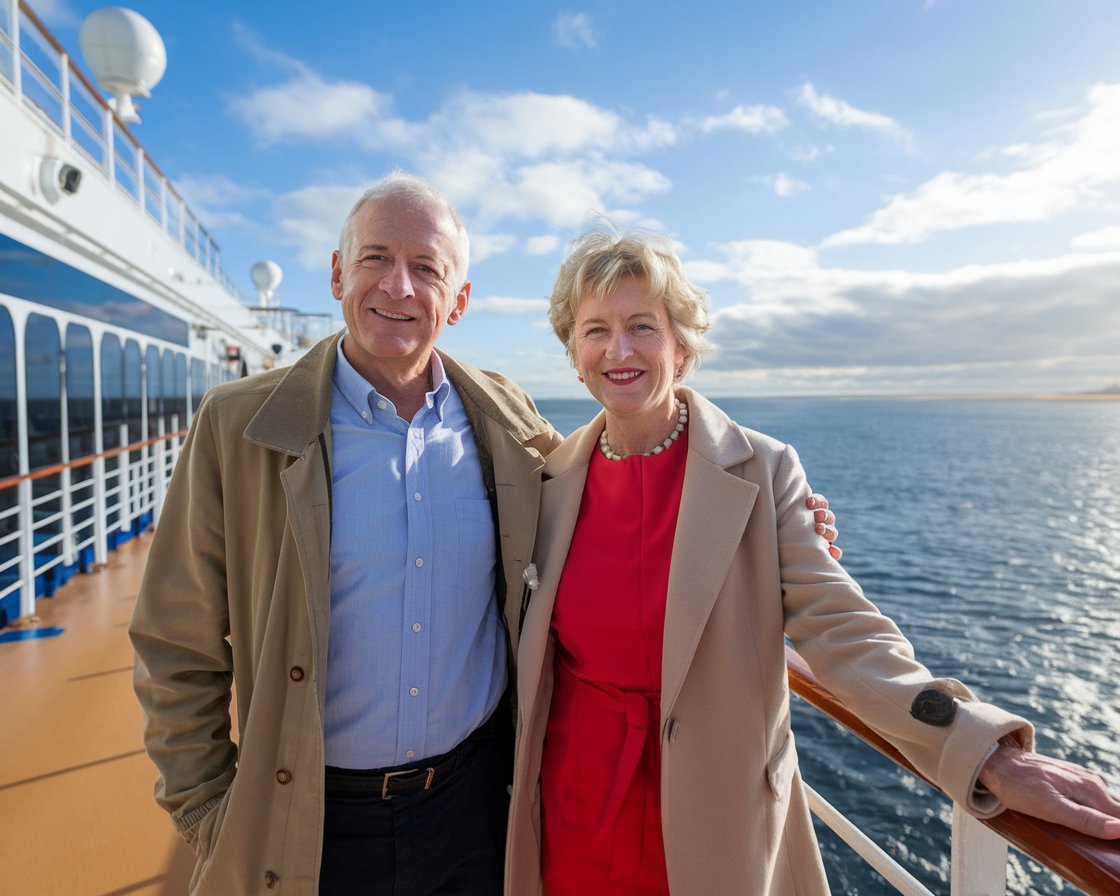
x: 385, y: 795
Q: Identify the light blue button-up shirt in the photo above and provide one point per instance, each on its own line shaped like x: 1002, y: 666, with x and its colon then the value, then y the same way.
x: 417, y: 655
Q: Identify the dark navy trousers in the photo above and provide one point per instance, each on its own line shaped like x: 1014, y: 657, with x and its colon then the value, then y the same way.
x: 447, y: 841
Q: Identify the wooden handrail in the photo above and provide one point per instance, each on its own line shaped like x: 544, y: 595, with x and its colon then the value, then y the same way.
x: 1086, y: 862
x: 44, y: 472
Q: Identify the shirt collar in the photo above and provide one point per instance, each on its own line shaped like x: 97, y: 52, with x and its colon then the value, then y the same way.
x: 362, y: 396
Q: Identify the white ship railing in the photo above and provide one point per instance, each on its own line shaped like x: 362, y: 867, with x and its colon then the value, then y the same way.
x: 979, y: 849
x: 52, y: 528
x: 42, y: 76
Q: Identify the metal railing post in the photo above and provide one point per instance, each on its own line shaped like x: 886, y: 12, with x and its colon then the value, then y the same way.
x: 64, y: 86
x: 979, y: 858
x: 26, y: 550
x: 17, y: 54
x: 125, y: 484
x: 159, y: 468
x: 176, y: 445
x: 100, y: 512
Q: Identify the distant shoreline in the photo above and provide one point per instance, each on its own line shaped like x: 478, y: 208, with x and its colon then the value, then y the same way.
x: 995, y: 396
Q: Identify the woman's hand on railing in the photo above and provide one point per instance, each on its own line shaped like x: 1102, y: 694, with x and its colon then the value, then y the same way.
x: 1053, y: 790
x: 825, y: 521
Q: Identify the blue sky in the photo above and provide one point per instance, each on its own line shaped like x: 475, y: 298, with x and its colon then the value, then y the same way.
x: 903, y: 196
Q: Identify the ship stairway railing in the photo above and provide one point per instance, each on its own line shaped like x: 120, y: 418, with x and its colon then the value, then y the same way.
x: 43, y: 77
x: 979, y: 848
x: 65, y: 518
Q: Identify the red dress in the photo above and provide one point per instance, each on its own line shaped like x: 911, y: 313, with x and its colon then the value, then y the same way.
x: 600, y: 772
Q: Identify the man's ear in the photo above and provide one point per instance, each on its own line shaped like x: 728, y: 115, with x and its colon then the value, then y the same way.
x: 460, y: 306
x: 336, y: 274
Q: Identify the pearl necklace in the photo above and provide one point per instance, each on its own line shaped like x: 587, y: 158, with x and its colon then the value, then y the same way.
x: 682, y: 421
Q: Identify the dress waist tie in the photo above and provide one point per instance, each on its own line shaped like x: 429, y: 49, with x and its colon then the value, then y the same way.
x: 641, y: 709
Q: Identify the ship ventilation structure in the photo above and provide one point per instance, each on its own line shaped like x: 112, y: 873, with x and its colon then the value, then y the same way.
x: 266, y: 277
x: 126, y: 55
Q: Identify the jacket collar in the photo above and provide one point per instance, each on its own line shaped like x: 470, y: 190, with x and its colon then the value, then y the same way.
x: 299, y: 407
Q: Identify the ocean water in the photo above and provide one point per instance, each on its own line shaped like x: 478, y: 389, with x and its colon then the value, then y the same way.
x: 990, y: 531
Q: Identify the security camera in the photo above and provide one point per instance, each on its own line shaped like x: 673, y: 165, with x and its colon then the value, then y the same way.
x: 58, y: 179
x: 69, y: 179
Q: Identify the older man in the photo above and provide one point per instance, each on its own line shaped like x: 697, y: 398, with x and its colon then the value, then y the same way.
x: 345, y: 540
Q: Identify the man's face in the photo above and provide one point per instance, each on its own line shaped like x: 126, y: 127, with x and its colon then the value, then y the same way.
x: 399, y: 284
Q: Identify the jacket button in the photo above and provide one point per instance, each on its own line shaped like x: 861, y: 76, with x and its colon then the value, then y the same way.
x: 271, y: 879
x: 296, y: 673
x: 934, y: 707
x: 283, y: 776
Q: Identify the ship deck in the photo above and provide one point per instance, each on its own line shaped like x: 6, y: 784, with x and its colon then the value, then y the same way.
x: 77, y: 815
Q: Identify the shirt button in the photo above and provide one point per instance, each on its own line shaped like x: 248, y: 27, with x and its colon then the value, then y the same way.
x: 416, y: 496
x: 382, y: 405
x: 413, y: 691
x: 419, y: 561
x: 416, y: 626
x: 284, y: 776
x: 271, y: 879
x: 410, y: 754
x: 367, y: 416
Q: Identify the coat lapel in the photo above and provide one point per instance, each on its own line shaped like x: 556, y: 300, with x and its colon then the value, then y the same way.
x: 565, y: 473
x: 715, y: 506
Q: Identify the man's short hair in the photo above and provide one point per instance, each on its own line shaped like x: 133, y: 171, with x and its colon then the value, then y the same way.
x: 417, y: 192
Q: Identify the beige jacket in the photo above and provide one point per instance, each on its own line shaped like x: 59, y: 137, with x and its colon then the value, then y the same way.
x: 237, y: 591
x: 747, y: 568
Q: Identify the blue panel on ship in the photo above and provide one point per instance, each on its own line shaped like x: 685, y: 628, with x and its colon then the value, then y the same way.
x: 28, y: 274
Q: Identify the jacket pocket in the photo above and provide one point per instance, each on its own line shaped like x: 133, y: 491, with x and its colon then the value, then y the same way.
x: 206, y: 832
x: 780, y: 768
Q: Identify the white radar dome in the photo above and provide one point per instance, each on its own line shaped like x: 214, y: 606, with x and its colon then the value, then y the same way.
x: 266, y: 277
x: 126, y: 55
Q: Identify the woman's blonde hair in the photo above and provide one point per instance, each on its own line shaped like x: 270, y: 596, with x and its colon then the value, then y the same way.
x: 599, y: 260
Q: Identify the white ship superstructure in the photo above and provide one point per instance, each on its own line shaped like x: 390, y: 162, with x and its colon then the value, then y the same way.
x: 115, y: 316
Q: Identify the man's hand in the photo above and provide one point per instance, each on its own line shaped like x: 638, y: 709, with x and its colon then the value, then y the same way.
x: 1053, y: 790
x: 826, y: 522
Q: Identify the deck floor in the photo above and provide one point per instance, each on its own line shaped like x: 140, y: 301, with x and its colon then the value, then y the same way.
x: 77, y: 815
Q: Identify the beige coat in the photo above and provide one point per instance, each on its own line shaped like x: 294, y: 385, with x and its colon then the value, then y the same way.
x: 747, y: 568
x: 237, y: 590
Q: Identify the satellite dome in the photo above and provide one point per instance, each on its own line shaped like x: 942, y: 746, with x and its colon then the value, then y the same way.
x: 126, y: 55
x: 266, y: 277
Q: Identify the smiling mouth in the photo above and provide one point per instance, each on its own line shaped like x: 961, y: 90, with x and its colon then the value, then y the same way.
x: 623, y: 376
x: 389, y: 315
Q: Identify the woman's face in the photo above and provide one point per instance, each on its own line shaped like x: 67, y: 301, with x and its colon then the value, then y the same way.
x: 626, y: 350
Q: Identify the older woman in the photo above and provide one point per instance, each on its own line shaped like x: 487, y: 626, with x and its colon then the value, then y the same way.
x: 674, y: 555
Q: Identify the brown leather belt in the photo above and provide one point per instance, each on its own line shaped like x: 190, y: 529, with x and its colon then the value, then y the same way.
x: 410, y: 779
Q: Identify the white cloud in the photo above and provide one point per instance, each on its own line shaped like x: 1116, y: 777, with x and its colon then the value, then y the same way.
x: 542, y: 245
x: 1106, y: 239
x: 308, y: 107
x: 812, y: 153
x: 484, y: 245
x: 785, y: 186
x: 217, y: 199
x: 837, y: 112
x: 752, y: 119
x: 309, y: 220
x: 882, y: 326
x: 573, y: 30
x: 1070, y: 168
x: 565, y: 193
x: 510, y: 305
